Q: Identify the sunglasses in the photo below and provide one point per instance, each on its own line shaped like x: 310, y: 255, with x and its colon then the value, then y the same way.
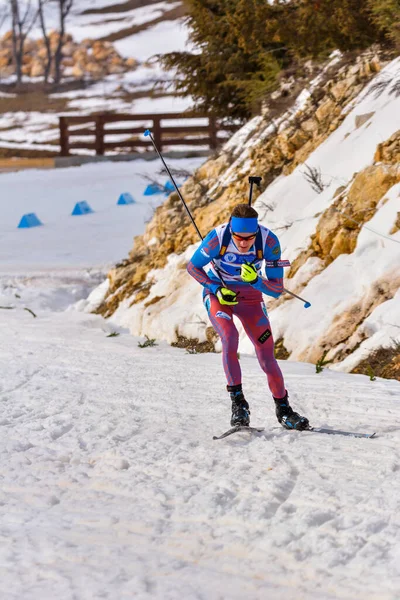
x: 245, y: 239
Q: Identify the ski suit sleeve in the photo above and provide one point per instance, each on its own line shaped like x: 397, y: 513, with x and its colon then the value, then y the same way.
x: 273, y: 285
x: 208, y: 249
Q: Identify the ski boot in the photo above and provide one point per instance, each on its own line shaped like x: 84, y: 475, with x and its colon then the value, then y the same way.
x: 240, y: 408
x: 286, y: 415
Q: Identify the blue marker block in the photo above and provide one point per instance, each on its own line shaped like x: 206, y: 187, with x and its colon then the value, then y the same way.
x: 152, y: 189
x: 29, y: 220
x: 169, y: 187
x: 126, y: 199
x: 82, y: 208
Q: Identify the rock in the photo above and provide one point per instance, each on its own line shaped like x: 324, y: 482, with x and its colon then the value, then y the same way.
x: 370, y: 185
x: 389, y: 151
x: 69, y: 49
x: 212, y: 169
x: 77, y: 72
x: 361, y: 119
x: 339, y: 90
x: 37, y: 69
x: 310, y: 126
x: 80, y: 56
x: 298, y: 139
x: 68, y: 62
x: 117, y: 60
x: 115, y: 69
x: 325, y: 111
x: 375, y: 64
x: 42, y: 53
x: 396, y: 226
x: 94, y: 69
x: 86, y: 43
x: 131, y: 63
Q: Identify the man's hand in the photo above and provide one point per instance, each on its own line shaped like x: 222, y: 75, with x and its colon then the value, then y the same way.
x: 226, y: 296
x: 249, y: 273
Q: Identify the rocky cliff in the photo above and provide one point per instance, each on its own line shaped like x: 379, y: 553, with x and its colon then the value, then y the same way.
x: 277, y: 148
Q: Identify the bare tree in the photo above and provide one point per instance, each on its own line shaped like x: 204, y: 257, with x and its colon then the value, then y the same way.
x: 3, y: 16
x: 64, y: 8
x: 49, y: 57
x: 23, y: 19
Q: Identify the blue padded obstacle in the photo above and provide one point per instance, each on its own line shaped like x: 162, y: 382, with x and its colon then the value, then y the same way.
x: 126, y: 199
x: 29, y: 220
x: 82, y: 208
x: 152, y: 189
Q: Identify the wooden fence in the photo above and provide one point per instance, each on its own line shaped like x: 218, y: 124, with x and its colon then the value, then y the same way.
x: 96, y: 131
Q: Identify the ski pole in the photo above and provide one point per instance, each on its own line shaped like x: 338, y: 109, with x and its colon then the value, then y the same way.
x: 306, y: 304
x: 252, y: 180
x: 147, y: 133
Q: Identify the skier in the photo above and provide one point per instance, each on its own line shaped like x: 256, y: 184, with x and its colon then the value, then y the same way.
x: 236, y: 251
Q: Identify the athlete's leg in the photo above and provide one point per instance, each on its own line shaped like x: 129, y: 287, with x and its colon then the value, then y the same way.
x: 257, y: 326
x: 222, y: 320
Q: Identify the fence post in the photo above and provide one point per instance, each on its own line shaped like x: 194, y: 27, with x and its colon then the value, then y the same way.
x: 64, y: 137
x: 157, y: 132
x: 100, y: 120
x: 212, y: 128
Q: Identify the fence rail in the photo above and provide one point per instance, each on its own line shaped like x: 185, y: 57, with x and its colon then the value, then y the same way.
x: 95, y: 129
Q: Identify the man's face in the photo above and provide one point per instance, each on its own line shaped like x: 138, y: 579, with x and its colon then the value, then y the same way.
x: 243, y: 241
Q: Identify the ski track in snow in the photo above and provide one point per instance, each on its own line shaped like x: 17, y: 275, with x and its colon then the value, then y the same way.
x: 112, y: 487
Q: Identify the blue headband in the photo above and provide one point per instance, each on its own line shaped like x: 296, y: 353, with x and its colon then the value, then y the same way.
x: 244, y: 224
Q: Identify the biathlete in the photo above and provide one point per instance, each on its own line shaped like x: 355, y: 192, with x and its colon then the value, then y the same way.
x: 238, y: 250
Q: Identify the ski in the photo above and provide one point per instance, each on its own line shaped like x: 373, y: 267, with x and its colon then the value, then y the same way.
x: 238, y: 428
x: 340, y: 432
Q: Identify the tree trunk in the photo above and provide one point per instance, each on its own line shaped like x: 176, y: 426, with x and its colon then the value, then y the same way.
x: 49, y: 57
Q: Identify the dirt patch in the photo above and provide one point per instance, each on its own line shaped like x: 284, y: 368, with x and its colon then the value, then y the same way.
x: 193, y: 346
x: 21, y: 153
x: 384, y: 362
x: 281, y: 353
x: 121, y: 8
x: 171, y: 15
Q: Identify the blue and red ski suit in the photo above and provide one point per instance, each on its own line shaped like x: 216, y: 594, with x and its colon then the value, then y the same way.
x: 251, y: 309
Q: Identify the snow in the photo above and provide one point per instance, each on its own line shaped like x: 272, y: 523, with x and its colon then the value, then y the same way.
x: 112, y: 486
x: 167, y: 36
x: 63, y: 241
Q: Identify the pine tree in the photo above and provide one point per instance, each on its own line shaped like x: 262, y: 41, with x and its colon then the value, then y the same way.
x: 386, y: 15
x: 236, y: 60
x: 317, y: 27
x: 241, y: 46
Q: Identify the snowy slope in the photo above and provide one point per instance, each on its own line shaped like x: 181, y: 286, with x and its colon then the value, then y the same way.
x: 112, y: 486
x: 61, y: 262
x: 97, y: 240
x: 291, y: 208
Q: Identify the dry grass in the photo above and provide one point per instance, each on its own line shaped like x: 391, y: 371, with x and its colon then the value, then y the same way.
x: 193, y: 346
